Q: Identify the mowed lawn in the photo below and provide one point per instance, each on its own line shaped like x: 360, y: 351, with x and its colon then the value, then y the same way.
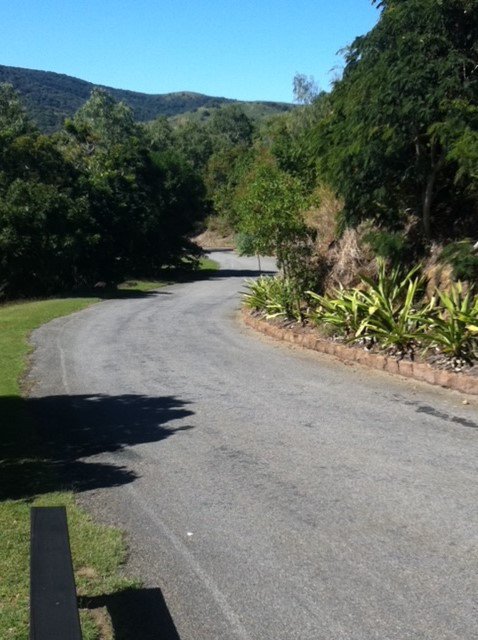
x: 27, y: 479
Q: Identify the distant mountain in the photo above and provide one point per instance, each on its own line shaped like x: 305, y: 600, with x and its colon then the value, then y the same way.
x: 51, y: 97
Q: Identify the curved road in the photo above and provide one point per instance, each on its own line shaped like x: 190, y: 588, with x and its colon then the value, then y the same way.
x: 268, y: 493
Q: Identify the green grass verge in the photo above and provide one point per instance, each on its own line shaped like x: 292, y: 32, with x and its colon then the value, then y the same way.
x: 207, y: 264
x: 25, y: 478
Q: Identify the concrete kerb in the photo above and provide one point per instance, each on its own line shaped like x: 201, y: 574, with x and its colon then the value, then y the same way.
x: 416, y: 370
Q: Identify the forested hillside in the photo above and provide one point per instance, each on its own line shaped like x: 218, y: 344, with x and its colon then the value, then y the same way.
x: 51, y: 97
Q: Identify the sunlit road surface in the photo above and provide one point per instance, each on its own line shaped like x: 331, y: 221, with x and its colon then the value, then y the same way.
x: 268, y: 493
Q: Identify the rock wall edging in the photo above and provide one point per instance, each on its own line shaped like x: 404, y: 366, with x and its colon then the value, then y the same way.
x: 420, y: 371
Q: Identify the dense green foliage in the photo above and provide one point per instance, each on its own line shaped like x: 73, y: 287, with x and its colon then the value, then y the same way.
x: 268, y: 208
x: 395, y: 141
x: 91, y: 203
x: 391, y: 152
x: 52, y: 97
x: 463, y: 258
x: 402, y: 132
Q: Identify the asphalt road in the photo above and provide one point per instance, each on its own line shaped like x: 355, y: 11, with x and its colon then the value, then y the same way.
x: 268, y: 493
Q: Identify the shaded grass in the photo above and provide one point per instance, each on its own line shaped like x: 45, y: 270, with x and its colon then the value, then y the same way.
x: 207, y: 268
x: 97, y: 551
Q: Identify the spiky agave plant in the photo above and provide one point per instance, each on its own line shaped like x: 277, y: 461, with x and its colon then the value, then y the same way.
x: 395, y: 311
x: 343, y: 310
x: 387, y: 311
x: 274, y: 296
x: 258, y: 293
x: 452, y: 327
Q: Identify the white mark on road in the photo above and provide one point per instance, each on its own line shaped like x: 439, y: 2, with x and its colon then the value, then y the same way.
x: 187, y: 556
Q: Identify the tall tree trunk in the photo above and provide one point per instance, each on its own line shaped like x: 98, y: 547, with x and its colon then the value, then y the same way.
x: 429, y: 192
x: 427, y: 204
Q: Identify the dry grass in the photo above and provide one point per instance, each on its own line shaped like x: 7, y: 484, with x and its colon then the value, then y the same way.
x: 349, y: 258
x: 218, y: 235
x: 322, y: 217
x: 102, y: 621
x: 213, y: 240
x: 438, y: 274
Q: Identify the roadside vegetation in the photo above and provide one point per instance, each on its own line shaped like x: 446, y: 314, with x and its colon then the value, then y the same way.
x: 389, y: 313
x: 368, y: 195
x: 95, y: 202
x: 385, y: 165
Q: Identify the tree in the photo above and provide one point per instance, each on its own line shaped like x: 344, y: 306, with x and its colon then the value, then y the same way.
x: 44, y: 235
x: 289, y: 138
x: 90, y: 203
x: 103, y: 121
x: 13, y: 118
x: 230, y: 126
x: 194, y: 142
x: 269, y: 203
x: 403, y: 109
x: 144, y: 201
x: 305, y: 89
x: 159, y: 134
x: 45, y: 224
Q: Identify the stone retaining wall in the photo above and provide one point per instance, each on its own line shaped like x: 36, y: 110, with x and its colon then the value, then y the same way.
x: 416, y: 370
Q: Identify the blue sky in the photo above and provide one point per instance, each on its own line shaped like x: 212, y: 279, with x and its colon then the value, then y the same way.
x: 244, y: 49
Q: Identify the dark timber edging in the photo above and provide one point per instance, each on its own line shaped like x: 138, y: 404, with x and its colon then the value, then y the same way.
x: 53, y: 604
x: 416, y: 370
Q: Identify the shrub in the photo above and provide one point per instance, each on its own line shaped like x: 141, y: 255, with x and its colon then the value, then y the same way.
x: 275, y: 297
x: 463, y: 260
x: 343, y: 310
x: 257, y: 296
x: 395, y: 310
x: 387, y: 311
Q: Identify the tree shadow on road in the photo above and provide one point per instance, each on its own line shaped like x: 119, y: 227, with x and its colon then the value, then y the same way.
x: 218, y: 274
x: 241, y: 273
x: 116, y: 294
x: 136, y: 613
x: 56, y: 435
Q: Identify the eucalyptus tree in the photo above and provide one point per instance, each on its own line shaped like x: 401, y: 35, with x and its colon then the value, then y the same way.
x: 305, y: 89
x: 13, y: 117
x: 159, y: 134
x: 230, y: 133
x: 194, y: 141
x: 230, y: 126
